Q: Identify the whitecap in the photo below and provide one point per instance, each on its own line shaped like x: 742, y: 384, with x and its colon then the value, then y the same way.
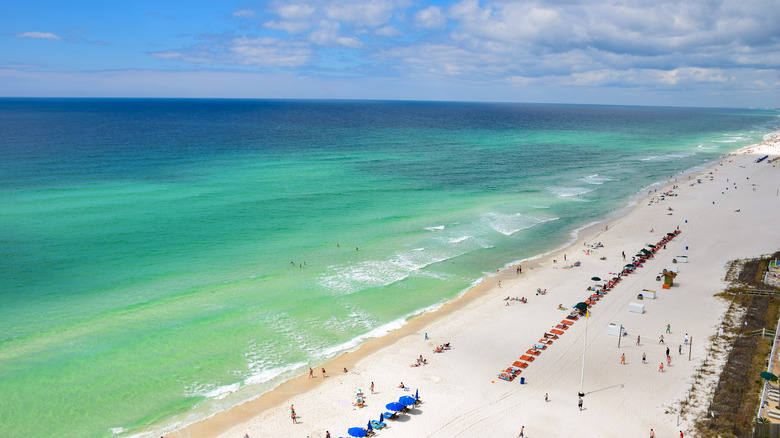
x: 567, y: 192
x: 436, y: 228
x: 117, y: 430
x: 348, y: 279
x: 508, y: 224
x: 669, y: 157
x: 596, y: 179
x: 459, y: 239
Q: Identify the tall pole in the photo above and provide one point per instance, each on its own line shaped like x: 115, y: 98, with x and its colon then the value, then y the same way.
x: 584, y: 346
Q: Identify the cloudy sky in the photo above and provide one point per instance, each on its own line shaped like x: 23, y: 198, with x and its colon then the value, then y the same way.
x: 723, y: 53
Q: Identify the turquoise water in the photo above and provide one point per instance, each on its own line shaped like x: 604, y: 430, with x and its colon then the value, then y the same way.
x: 147, y: 244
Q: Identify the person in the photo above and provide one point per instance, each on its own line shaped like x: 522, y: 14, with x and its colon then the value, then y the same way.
x: 293, y: 418
x: 681, y: 434
x: 560, y: 306
x: 667, y: 351
x: 519, y: 269
x: 522, y: 428
x: 372, y: 387
x: 426, y: 336
x: 246, y: 435
x: 323, y: 373
x: 668, y: 361
x: 623, y: 359
x: 345, y: 370
x: 624, y: 255
x: 637, y: 340
x: 327, y: 434
x: 679, y: 349
x: 401, y: 385
x: 661, y: 339
x: 661, y: 368
x: 652, y: 434
x: 579, y: 403
x: 686, y: 339
x: 668, y: 328
x: 311, y: 373
x: 546, y: 398
x: 292, y: 409
x: 644, y: 358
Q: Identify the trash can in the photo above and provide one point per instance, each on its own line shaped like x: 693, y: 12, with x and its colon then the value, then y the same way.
x: 522, y: 380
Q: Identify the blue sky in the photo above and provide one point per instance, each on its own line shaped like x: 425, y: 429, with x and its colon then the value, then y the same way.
x: 723, y: 53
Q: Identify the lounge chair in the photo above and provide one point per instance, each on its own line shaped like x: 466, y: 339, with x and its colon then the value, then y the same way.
x: 567, y: 322
x: 527, y: 358
x: 519, y: 364
x: 377, y: 425
x: 391, y: 415
x: 556, y: 331
x: 534, y: 352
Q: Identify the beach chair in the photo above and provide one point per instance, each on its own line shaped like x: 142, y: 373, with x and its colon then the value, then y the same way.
x: 556, y: 331
x: 540, y: 346
x: 562, y: 327
x: 567, y: 322
x: 533, y: 352
x: 391, y: 415
x: 527, y: 358
x: 506, y: 376
x: 519, y: 364
x: 377, y: 425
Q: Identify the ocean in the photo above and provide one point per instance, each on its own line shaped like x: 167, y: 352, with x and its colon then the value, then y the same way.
x: 166, y: 259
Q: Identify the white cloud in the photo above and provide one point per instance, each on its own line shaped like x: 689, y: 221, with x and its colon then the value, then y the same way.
x: 294, y: 11
x: 327, y: 34
x: 289, y: 26
x: 38, y: 35
x: 244, y: 13
x: 431, y: 17
x: 388, y: 31
x: 362, y: 12
x: 270, y: 52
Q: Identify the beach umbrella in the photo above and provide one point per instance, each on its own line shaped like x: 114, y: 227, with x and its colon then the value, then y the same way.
x: 581, y: 306
x: 670, y: 234
x: 417, y: 394
x: 368, y: 426
x: 356, y: 431
x: 645, y: 251
x: 595, y: 278
x: 381, y: 417
x: 406, y: 400
x: 394, y: 406
x: 629, y: 266
x: 768, y: 376
x: 652, y: 246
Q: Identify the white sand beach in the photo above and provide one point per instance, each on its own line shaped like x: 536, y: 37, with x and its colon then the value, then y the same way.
x: 726, y: 216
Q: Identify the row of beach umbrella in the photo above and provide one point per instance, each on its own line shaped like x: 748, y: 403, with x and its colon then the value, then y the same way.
x: 392, y: 406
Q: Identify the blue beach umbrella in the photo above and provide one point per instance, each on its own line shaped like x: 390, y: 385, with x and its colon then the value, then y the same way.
x: 417, y: 394
x: 381, y: 417
x: 406, y: 400
x: 356, y: 431
x: 394, y: 406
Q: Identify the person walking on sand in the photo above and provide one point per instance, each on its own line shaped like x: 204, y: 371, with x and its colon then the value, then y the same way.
x: 323, y: 373
x: 426, y: 336
x: 652, y: 434
x: 637, y: 340
x: 623, y: 359
x: 661, y: 368
x: 679, y: 349
x: 624, y: 256
x: 522, y: 428
x: 546, y: 397
x: 661, y: 339
x: 668, y: 328
x: 311, y: 373
x: 295, y: 421
x: 668, y: 361
x: 644, y: 358
x: 686, y: 339
x: 579, y: 403
x: 327, y: 434
x: 372, y: 387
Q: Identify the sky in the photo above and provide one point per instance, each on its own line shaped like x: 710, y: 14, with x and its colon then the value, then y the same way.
x: 707, y: 53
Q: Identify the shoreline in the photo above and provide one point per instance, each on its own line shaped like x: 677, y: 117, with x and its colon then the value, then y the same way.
x: 478, y: 295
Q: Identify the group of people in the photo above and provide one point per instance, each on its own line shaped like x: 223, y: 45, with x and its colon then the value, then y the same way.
x: 441, y: 348
x: 420, y: 361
